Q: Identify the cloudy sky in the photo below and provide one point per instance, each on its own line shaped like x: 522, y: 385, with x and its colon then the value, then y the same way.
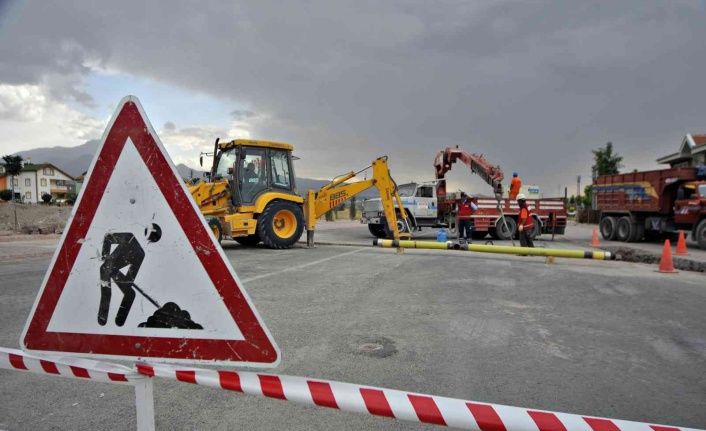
x: 532, y: 85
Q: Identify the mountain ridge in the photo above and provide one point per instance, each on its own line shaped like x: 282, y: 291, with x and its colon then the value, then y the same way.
x: 75, y: 161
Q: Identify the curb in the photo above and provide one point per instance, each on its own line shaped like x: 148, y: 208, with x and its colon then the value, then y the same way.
x: 28, y: 237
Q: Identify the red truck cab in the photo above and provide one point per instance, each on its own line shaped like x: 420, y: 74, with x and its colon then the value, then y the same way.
x: 690, y: 204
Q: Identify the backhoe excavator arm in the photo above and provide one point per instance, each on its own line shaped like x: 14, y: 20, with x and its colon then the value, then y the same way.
x: 331, y: 195
x: 491, y: 174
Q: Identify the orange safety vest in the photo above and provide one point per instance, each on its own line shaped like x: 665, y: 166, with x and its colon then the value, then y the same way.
x: 465, y: 210
x: 526, y: 215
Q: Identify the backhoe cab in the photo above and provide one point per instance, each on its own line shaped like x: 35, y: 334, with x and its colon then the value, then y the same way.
x: 250, y: 194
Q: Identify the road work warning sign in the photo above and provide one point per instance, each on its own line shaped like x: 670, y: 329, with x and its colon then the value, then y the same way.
x: 137, y: 273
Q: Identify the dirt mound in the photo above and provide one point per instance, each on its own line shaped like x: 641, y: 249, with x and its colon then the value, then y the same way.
x: 633, y: 255
x: 33, y: 216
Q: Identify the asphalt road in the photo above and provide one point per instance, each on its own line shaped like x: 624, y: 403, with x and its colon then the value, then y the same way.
x: 597, y: 338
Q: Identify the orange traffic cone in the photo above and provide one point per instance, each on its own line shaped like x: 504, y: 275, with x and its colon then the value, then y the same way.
x: 594, y: 240
x: 665, y: 263
x: 681, y: 245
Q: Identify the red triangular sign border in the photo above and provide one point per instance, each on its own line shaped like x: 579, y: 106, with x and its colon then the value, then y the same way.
x: 258, y: 348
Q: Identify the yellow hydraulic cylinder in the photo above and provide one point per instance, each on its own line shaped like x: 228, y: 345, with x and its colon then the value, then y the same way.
x: 502, y: 249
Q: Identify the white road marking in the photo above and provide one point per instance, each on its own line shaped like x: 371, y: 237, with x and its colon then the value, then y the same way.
x: 258, y: 277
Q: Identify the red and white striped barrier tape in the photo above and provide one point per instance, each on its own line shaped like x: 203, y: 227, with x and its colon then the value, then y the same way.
x: 395, y: 404
x: 76, y: 368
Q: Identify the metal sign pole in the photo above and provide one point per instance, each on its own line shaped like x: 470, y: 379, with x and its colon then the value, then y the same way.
x: 144, y: 405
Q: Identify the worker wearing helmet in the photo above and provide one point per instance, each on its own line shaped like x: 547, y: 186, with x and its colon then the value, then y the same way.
x: 525, y: 223
x: 515, y: 185
x: 464, y: 211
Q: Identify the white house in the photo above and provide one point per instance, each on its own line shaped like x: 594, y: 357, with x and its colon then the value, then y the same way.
x: 37, y: 180
x: 692, y: 152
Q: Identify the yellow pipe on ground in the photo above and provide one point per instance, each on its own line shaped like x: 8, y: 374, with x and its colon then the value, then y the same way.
x: 448, y: 245
x: 501, y: 249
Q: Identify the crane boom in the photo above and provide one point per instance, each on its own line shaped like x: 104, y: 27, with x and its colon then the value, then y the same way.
x: 491, y: 174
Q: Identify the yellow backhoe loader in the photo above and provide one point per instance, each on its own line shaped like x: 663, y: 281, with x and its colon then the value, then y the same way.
x: 250, y: 195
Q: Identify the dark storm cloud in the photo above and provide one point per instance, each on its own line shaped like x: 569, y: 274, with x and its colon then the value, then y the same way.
x: 241, y: 114
x: 534, y: 86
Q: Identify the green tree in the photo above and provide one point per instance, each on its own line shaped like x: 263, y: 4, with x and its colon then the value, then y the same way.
x: 587, y: 198
x: 13, y: 167
x: 329, y: 215
x: 605, y: 161
x: 353, y: 211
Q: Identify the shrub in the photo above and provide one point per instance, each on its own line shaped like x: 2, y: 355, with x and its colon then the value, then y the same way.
x: 71, y: 198
x: 6, y: 195
x: 46, y: 197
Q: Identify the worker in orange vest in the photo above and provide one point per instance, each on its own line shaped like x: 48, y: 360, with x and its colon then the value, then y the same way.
x: 464, y: 210
x: 525, y: 223
x: 515, y: 185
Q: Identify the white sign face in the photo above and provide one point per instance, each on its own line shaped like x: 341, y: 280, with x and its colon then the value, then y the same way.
x: 159, y: 267
x: 137, y: 273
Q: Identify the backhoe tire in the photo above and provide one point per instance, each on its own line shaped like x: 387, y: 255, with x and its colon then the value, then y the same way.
x: 249, y: 241
x: 503, y: 233
x: 281, y: 224
x: 216, y: 229
x: 700, y: 234
x: 608, y: 227
x: 377, y: 230
x: 623, y: 229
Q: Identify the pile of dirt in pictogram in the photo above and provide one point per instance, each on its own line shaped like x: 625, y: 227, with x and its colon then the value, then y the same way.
x: 170, y: 315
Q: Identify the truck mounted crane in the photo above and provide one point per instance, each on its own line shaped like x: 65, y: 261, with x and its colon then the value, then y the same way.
x: 491, y: 174
x: 428, y: 204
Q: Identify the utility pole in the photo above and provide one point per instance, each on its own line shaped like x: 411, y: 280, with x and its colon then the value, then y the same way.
x: 578, y: 186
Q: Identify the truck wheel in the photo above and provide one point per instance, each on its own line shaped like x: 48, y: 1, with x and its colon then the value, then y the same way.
x: 281, y: 224
x: 537, y: 228
x: 608, y: 228
x: 701, y: 235
x: 623, y: 229
x: 250, y: 240
x: 506, y: 233
x: 637, y: 231
x: 401, y: 227
x: 377, y: 230
x: 216, y: 229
